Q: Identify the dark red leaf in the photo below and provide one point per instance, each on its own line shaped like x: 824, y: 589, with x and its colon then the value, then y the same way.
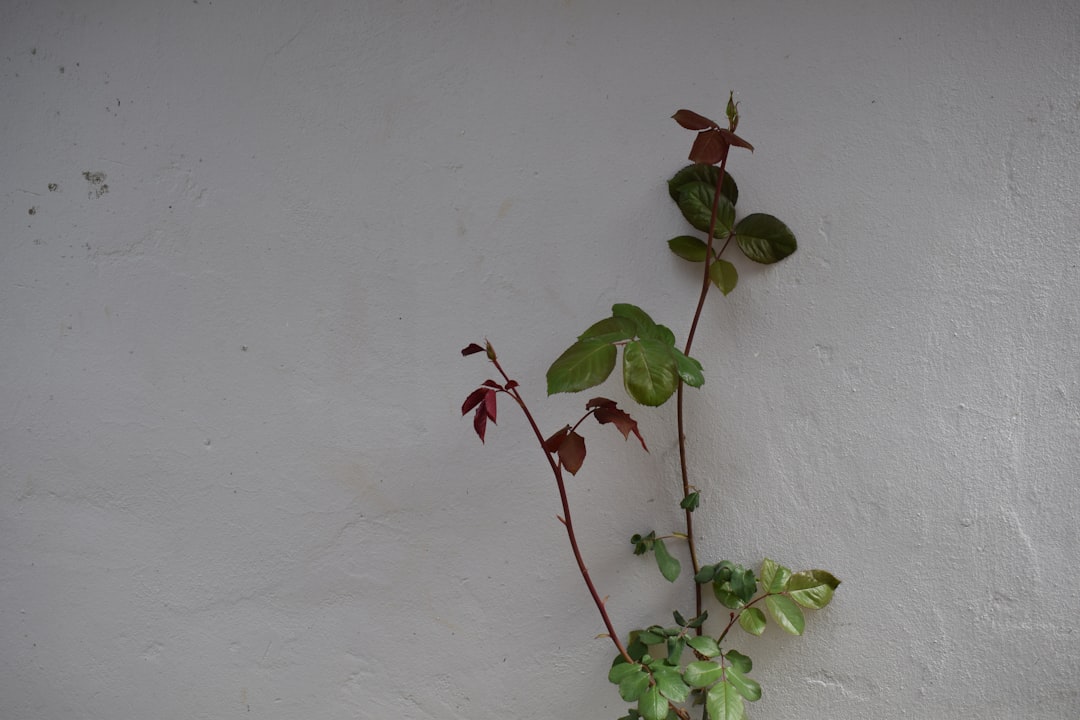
x: 599, y: 402
x: 474, y: 399
x: 471, y: 349
x: 489, y: 404
x: 511, y: 385
x: 480, y: 421
x: 710, y: 147
x: 692, y: 121
x: 572, y: 452
x: 733, y: 139
x: 552, y: 443
x: 492, y: 384
x: 622, y: 421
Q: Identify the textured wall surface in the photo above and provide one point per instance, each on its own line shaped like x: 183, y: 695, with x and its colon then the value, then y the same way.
x: 241, y: 244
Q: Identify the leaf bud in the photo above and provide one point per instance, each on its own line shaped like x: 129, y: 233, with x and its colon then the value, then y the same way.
x: 732, y: 112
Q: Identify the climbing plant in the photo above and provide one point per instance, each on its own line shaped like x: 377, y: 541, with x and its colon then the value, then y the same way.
x: 672, y: 670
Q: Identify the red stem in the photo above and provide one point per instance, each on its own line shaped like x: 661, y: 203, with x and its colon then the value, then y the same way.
x: 556, y: 469
x: 705, y: 283
x: 735, y: 615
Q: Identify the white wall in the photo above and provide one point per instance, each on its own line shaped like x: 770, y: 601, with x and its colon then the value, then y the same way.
x: 233, y: 475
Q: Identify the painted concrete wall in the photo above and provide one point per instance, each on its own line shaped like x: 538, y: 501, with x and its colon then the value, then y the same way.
x: 241, y: 244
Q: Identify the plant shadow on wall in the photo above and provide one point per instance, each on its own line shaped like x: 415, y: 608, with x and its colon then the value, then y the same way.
x: 673, y: 670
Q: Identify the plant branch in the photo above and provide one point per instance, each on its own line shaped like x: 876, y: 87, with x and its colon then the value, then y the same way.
x: 556, y: 469
x: 735, y: 615
x: 706, y: 282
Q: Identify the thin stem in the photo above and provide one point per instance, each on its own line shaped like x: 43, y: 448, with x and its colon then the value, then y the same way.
x: 567, y: 521
x: 583, y: 419
x: 735, y: 615
x: 705, y: 283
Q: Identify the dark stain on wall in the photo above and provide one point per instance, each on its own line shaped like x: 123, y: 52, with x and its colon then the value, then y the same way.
x: 97, y: 184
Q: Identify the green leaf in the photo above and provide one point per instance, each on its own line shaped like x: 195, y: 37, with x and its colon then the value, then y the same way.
x: 649, y: 371
x: 723, y: 702
x: 679, y: 619
x: 643, y: 543
x: 622, y: 670
x: 743, y: 685
x: 734, y: 585
x: 670, y: 683
x: 786, y: 613
x: 695, y: 202
x: 739, y: 661
x: 705, y: 575
x: 774, y: 577
x: 689, y: 248
x: 767, y: 572
x: 812, y: 588
x: 632, y: 686
x: 662, y: 333
x: 653, y: 705
x: 723, y: 593
x: 699, y: 620
x: 650, y: 637
x: 636, y: 649
x: 704, y: 645
x: 675, y: 647
x: 702, y: 673
x: 764, y: 239
x: 691, y: 503
x: 723, y: 275
x: 643, y: 324
x: 669, y: 566
x: 752, y: 620
x: 689, y: 369
x: 703, y: 173
x: 584, y: 364
x: 743, y: 583
x: 612, y: 329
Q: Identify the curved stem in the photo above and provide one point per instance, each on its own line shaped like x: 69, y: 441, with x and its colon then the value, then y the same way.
x: 705, y: 283
x: 567, y: 521
x: 735, y: 615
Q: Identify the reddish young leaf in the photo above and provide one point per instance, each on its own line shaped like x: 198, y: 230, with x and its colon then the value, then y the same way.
x: 480, y: 421
x: 552, y: 444
x: 511, y: 385
x: 733, y: 139
x: 572, y: 452
x: 475, y: 398
x: 599, y: 402
x: 492, y: 384
x: 489, y: 404
x: 709, y: 147
x: 622, y: 421
x: 692, y: 121
x: 471, y: 349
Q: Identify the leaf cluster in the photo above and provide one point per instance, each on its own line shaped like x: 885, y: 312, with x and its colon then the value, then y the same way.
x: 652, y: 366
x: 761, y: 237
x: 653, y: 672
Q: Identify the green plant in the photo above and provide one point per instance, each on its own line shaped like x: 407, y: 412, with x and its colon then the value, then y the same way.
x: 665, y: 669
